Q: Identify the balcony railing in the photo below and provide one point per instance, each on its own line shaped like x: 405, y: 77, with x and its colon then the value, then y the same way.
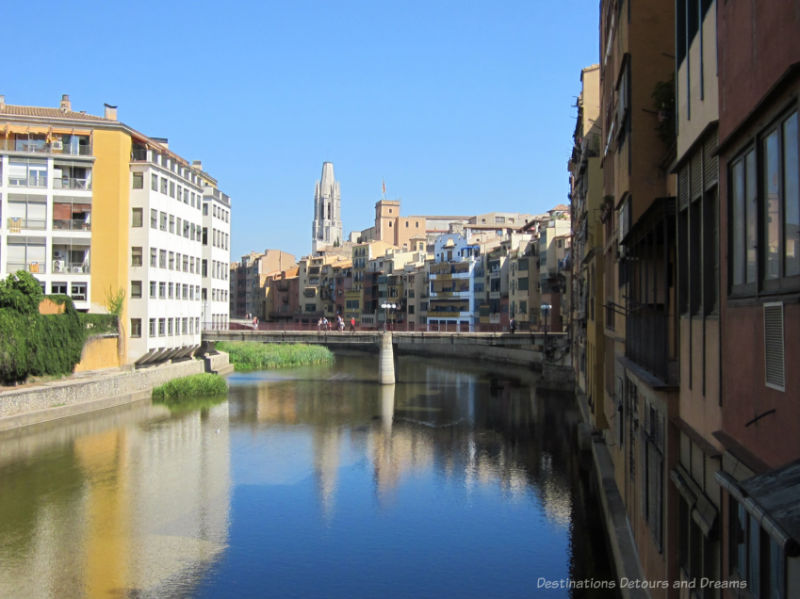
x: 647, y: 340
x: 32, y: 267
x: 62, y: 266
x: 32, y: 180
x: 42, y: 147
x: 72, y: 183
x: 71, y: 224
x: 16, y: 224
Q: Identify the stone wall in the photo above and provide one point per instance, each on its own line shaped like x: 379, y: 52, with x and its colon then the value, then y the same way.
x: 84, y: 393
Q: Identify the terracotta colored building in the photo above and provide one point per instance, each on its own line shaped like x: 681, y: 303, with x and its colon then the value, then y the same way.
x: 759, y: 85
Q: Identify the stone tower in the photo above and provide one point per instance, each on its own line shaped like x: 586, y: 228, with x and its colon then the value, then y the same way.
x: 327, y: 227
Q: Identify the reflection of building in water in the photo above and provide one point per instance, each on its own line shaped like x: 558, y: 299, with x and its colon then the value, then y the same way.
x: 117, y: 511
x: 326, y: 443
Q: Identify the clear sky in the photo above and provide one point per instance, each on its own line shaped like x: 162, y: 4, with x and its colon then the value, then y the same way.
x: 460, y: 106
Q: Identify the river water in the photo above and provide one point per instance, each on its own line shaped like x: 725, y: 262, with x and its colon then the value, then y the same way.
x: 460, y: 481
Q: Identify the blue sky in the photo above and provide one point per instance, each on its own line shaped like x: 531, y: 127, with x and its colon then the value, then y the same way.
x: 461, y: 107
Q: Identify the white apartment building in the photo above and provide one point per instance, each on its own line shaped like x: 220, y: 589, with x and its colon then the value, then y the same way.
x: 166, y: 235
x: 46, y: 209
x: 216, y: 255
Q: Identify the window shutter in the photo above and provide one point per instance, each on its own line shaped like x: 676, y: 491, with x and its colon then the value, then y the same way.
x: 773, y: 345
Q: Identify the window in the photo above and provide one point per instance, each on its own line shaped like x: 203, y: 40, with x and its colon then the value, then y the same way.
x: 136, y: 289
x: 152, y: 327
x: 153, y: 218
x: 136, y: 217
x: 136, y: 256
x: 162, y: 258
x: 162, y: 222
x: 162, y: 325
x: 172, y: 260
x: 153, y: 257
x: 136, y: 328
x: 653, y: 476
x: 138, y: 183
x: 162, y: 290
x: 154, y: 182
x: 78, y: 291
x: 768, y: 212
x: 164, y: 186
x: 58, y: 288
x: 152, y: 289
x: 754, y: 555
x: 171, y: 223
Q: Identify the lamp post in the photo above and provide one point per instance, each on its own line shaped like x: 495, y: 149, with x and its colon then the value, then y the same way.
x: 386, y: 307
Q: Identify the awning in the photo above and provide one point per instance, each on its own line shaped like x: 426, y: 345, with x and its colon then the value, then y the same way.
x: 772, y: 499
x: 704, y: 513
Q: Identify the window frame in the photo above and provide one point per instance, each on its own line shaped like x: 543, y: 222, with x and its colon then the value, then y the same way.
x: 754, y: 210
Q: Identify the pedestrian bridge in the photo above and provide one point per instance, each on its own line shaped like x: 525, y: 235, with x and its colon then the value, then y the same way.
x: 528, y: 349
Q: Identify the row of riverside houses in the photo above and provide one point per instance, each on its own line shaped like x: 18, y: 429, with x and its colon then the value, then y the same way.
x: 685, y: 201
x: 450, y: 274
x: 92, y: 208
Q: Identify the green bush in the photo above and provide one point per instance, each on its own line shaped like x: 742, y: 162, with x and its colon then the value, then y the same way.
x: 190, y: 387
x: 32, y: 343
x: 247, y: 355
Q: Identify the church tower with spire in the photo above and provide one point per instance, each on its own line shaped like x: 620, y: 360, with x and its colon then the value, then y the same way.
x: 327, y: 227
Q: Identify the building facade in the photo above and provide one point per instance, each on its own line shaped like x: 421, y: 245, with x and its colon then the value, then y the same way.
x: 95, y: 209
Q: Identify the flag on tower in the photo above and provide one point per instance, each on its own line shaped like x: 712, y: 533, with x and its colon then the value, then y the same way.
x: 383, y: 183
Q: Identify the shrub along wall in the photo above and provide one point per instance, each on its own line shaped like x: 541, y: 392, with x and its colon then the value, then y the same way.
x: 38, y: 344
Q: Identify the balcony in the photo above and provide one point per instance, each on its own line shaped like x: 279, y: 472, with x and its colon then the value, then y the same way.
x: 646, y: 342
x: 31, y: 267
x: 34, y: 179
x: 71, y: 224
x: 17, y: 223
x: 84, y: 184
x: 65, y: 267
x: 77, y: 145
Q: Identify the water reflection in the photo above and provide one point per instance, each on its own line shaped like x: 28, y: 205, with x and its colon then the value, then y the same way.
x: 458, y: 480
x: 128, y: 502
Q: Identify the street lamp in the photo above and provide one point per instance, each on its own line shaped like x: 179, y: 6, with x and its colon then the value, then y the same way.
x: 386, y: 308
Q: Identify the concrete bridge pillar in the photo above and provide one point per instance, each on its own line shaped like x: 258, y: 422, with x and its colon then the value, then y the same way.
x: 386, y: 360
x: 387, y: 408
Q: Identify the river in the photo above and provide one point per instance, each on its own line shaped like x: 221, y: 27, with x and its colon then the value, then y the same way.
x: 462, y: 480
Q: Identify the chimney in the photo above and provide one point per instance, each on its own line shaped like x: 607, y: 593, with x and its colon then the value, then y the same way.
x: 111, y: 112
x: 66, y: 105
x: 198, y: 164
x: 2, y: 102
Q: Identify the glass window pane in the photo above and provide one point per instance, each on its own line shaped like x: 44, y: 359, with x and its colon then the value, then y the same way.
x: 751, y: 241
x: 771, y: 207
x: 791, y: 194
x: 738, y: 239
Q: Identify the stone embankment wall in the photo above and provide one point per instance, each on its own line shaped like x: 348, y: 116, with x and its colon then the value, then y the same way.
x: 87, y: 392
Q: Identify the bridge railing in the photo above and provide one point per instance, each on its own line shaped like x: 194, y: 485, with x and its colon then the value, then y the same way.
x: 442, y: 327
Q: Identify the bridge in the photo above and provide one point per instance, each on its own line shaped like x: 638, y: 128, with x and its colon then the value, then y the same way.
x: 538, y: 351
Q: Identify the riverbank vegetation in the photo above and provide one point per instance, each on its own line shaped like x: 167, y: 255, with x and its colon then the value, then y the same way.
x: 190, y: 388
x: 35, y: 344
x: 245, y: 355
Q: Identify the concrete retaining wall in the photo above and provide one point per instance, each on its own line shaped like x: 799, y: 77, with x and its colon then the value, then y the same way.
x: 99, y: 352
x: 87, y: 392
